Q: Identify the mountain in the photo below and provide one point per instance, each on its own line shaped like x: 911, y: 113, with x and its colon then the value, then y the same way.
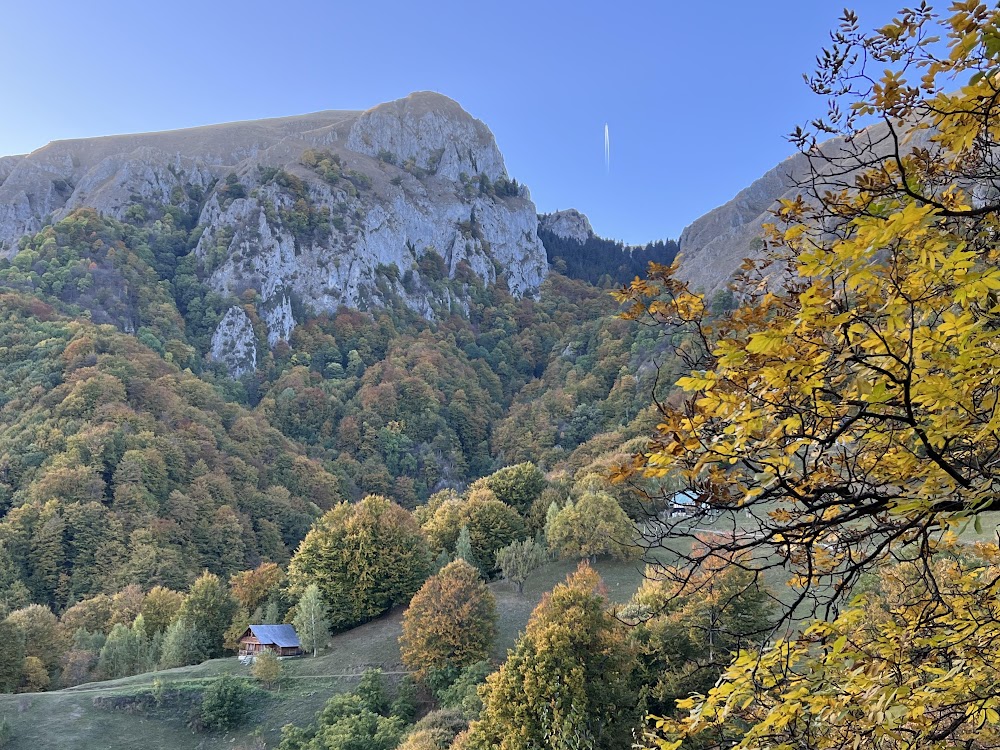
x: 572, y: 248
x: 714, y: 246
x: 310, y: 212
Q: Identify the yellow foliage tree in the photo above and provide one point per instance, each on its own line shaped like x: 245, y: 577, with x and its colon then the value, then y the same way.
x: 848, y: 409
x: 904, y: 666
x: 846, y: 414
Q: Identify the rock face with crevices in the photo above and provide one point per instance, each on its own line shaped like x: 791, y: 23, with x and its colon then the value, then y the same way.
x: 569, y: 224
x: 420, y: 176
x: 234, y: 342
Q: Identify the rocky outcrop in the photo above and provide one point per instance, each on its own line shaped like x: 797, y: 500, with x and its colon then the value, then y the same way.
x: 714, y: 246
x: 569, y: 224
x: 419, y: 176
x: 234, y: 343
x: 432, y: 131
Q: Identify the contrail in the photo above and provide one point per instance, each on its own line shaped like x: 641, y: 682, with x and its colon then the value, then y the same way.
x: 607, y: 149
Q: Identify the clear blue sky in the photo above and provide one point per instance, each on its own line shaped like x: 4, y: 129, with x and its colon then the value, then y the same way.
x: 698, y: 95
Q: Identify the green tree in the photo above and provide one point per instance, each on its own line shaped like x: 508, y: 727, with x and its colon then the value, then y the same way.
x: 120, y: 655
x: 208, y: 608
x: 595, y: 525
x: 267, y: 668
x: 518, y: 560
x: 371, y: 691
x: 344, y: 724
x: 182, y: 645
x: 404, y: 703
x: 568, y: 682
x: 463, y: 548
x: 310, y: 619
x: 225, y: 703
x: 11, y: 656
x: 364, y: 558
x: 687, y: 638
x: 451, y: 622
x: 518, y: 486
x: 492, y: 525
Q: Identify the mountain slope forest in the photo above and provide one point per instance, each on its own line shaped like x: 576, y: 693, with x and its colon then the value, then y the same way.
x: 127, y: 457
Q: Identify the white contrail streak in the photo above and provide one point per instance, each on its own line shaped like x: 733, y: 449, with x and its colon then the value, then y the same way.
x: 607, y: 149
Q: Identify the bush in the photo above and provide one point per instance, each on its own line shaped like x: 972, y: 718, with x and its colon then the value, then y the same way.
x: 267, y: 668
x: 226, y: 703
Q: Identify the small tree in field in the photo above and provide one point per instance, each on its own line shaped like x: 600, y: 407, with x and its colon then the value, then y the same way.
x: 310, y: 619
x: 226, y: 703
x: 267, y: 668
x: 519, y: 560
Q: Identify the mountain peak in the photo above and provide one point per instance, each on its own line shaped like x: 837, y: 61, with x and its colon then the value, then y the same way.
x: 569, y: 224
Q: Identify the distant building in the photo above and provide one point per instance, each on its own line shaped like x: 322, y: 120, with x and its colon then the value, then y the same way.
x: 281, y: 639
x: 683, y: 503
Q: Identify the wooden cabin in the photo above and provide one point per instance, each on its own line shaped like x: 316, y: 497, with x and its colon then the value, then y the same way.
x: 281, y: 639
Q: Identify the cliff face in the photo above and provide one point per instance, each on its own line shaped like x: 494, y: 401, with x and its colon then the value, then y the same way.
x: 414, y: 176
x: 569, y: 224
x: 714, y: 246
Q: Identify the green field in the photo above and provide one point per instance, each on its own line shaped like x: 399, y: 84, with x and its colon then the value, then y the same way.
x: 70, y: 718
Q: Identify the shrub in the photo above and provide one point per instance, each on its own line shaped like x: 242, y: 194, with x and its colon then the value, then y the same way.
x: 226, y: 703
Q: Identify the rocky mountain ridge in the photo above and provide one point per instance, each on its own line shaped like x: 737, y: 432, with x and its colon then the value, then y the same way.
x: 713, y: 247
x: 327, y: 209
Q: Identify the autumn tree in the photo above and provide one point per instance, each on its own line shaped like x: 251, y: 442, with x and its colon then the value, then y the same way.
x: 40, y: 633
x: 252, y: 588
x: 911, y: 666
x: 34, y: 676
x: 844, y: 416
x: 160, y: 608
x: 93, y: 614
x: 518, y: 560
x: 593, y: 526
x: 568, y: 682
x: 450, y: 623
x: 310, y: 619
x: 844, y: 412
x: 364, y: 558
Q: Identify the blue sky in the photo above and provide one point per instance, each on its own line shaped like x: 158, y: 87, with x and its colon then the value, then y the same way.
x: 697, y: 95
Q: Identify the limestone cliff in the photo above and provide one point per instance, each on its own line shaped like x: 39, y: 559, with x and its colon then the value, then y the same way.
x: 714, y: 246
x: 413, y: 177
x: 569, y: 224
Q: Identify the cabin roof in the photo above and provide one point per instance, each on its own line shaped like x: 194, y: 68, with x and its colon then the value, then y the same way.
x: 283, y: 636
x: 685, y: 497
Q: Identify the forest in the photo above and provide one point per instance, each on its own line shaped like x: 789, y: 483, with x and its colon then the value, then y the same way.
x: 805, y: 474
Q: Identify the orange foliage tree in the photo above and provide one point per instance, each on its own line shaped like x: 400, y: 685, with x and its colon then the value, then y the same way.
x: 451, y: 622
